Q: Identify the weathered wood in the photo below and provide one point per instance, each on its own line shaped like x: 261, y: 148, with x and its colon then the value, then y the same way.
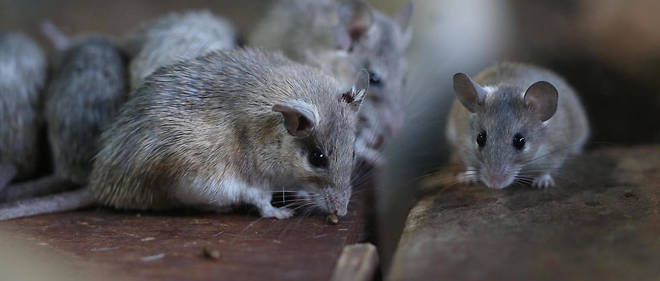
x: 601, y: 222
x: 170, y: 246
x: 357, y: 263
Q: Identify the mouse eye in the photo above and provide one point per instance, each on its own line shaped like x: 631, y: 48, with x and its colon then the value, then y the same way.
x: 317, y: 158
x: 374, y: 79
x: 481, y: 139
x: 518, y: 141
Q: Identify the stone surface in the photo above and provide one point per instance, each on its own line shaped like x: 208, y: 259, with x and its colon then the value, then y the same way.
x: 600, y: 223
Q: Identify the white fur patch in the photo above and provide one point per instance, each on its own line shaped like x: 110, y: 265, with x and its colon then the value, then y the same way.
x: 490, y: 89
x: 222, y: 191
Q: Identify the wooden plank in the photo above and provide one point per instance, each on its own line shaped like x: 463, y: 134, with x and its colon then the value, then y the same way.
x: 357, y: 262
x: 171, y: 246
x: 601, y: 222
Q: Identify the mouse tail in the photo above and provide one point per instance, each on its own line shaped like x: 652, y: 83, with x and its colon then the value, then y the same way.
x: 55, y: 203
x: 59, y: 40
x: 34, y: 188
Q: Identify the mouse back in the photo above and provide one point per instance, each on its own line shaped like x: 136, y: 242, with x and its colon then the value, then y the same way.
x: 84, y: 96
x: 22, y: 76
x: 174, y: 37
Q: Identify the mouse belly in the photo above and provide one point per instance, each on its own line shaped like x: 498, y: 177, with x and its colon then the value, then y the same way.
x: 221, y: 194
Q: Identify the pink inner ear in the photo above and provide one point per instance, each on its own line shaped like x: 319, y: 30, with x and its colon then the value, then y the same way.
x: 296, y: 124
x: 303, y: 124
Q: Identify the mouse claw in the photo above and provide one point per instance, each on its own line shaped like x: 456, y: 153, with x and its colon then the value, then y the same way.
x: 467, y: 177
x: 278, y: 213
x: 544, y: 181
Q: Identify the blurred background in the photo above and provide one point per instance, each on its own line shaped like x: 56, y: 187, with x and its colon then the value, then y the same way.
x: 608, y: 50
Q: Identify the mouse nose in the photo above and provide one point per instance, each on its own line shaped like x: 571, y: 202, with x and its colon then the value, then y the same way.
x: 377, y: 143
x: 496, y: 180
x: 342, y: 211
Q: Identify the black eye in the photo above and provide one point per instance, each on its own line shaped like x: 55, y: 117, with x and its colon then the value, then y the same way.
x: 317, y: 158
x: 481, y: 139
x: 374, y: 79
x: 518, y: 141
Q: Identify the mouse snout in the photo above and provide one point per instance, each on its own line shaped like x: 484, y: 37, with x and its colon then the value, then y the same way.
x: 337, y: 201
x: 377, y: 142
x: 341, y: 211
x: 393, y: 127
x: 496, y: 179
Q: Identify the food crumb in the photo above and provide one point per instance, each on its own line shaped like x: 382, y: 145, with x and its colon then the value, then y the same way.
x: 332, y: 219
x: 213, y: 254
x: 153, y: 258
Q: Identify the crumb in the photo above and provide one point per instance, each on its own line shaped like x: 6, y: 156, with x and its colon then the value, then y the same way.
x: 332, y: 219
x: 152, y: 258
x: 213, y: 254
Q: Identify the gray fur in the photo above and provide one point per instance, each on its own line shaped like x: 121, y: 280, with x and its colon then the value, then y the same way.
x: 504, y: 114
x: 175, y: 37
x: 326, y: 34
x: 84, y: 96
x: 22, y: 76
x: 203, y: 133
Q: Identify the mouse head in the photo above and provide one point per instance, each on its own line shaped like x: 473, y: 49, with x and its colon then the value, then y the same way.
x: 507, y: 126
x: 319, y: 145
x: 377, y: 43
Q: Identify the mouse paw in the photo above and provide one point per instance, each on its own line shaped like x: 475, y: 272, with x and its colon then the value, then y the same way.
x: 278, y: 213
x: 544, y: 181
x: 468, y: 177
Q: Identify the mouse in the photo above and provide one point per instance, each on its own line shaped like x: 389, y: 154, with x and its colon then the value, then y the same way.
x: 174, y: 37
x: 83, y: 96
x: 344, y: 38
x: 230, y: 127
x: 515, y: 123
x: 22, y: 78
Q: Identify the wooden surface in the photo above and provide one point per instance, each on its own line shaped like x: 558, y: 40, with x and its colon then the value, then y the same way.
x: 358, y: 262
x: 149, y: 246
x: 601, y: 222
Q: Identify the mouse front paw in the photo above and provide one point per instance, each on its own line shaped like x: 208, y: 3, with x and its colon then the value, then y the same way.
x: 468, y: 177
x: 544, y: 181
x: 278, y: 213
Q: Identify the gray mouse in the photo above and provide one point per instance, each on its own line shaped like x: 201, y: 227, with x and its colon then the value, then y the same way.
x: 84, y: 95
x: 22, y: 77
x: 343, y: 38
x: 174, y: 37
x: 515, y: 123
x: 226, y: 128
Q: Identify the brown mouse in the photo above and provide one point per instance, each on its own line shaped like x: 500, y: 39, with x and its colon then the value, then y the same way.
x: 223, y: 129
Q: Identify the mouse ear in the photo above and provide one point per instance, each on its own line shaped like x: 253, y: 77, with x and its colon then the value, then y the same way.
x: 403, y: 18
x: 542, y: 99
x: 468, y: 92
x: 299, y: 117
x: 355, y: 19
x: 358, y: 92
